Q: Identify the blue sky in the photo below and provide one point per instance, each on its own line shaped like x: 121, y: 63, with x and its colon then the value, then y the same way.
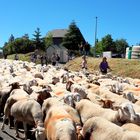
x: 120, y: 18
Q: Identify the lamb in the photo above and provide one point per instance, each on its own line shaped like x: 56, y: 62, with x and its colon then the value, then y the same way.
x: 98, y: 128
x: 59, y: 125
x: 29, y: 111
x: 125, y: 112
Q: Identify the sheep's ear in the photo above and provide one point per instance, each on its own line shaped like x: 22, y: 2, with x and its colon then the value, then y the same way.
x: 21, y: 84
x: 111, y: 101
x: 100, y: 100
x: 33, y: 130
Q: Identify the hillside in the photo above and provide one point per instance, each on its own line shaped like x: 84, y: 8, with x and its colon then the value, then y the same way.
x: 120, y: 67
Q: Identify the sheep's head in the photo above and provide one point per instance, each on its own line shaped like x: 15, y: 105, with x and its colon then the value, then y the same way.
x: 68, y: 85
x: 106, y: 103
x: 39, y: 133
x: 126, y: 112
x: 15, y: 85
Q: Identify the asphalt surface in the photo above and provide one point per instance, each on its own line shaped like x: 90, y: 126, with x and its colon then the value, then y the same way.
x: 9, y: 134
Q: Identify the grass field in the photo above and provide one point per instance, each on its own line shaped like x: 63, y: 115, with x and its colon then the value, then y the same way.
x: 120, y: 67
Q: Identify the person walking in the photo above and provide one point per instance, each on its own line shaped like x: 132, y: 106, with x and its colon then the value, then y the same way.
x: 53, y: 59
x: 84, y: 63
x: 81, y: 48
x: 104, y: 66
x: 42, y: 60
x: 57, y: 59
x: 16, y: 57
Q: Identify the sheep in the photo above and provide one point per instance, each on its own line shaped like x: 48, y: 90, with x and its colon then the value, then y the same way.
x: 137, y: 103
x: 130, y: 97
x: 92, y: 88
x: 5, y: 94
x: 26, y: 66
x: 50, y: 102
x: 105, y: 103
x: 29, y: 111
x: 106, y: 94
x: 98, y: 128
x: 59, y: 125
x: 73, y: 87
x: 39, y: 75
x: 131, y: 127
x: 65, y: 77
x: 71, y: 98
x: 16, y: 95
x: 27, y: 86
x: 68, y: 99
x: 41, y: 95
x: 58, y: 89
x: 76, y: 97
x: 125, y: 112
x: 55, y: 80
x: 116, y: 88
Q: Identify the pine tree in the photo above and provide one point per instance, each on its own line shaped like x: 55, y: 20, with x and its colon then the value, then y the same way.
x: 73, y: 37
x: 37, y: 39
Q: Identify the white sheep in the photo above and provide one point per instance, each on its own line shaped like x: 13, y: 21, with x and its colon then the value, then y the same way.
x: 98, y: 128
x: 125, y: 112
x: 29, y: 111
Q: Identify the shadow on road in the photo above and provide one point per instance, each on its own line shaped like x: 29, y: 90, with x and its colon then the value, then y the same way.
x: 9, y: 135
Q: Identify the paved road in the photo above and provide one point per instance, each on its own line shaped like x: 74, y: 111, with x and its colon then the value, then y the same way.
x: 9, y: 134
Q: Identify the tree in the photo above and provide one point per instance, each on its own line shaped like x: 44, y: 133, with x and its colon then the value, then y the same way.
x: 73, y: 37
x: 25, y: 36
x: 121, y: 46
x: 99, y: 47
x: 12, y: 38
x: 108, y: 44
x: 48, y: 40
x: 19, y: 45
x: 38, y: 40
x: 87, y: 48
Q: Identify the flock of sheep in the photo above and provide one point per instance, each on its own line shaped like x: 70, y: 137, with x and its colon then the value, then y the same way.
x: 58, y: 104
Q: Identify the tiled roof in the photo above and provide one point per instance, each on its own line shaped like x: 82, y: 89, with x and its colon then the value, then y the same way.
x: 58, y: 32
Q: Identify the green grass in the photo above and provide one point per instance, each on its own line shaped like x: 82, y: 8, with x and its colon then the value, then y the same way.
x: 120, y: 67
x: 23, y: 57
